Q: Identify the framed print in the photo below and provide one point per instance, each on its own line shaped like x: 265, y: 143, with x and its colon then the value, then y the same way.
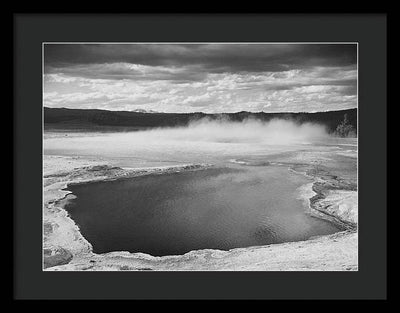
x: 200, y: 158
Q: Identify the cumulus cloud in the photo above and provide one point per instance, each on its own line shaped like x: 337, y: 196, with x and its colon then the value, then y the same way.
x: 213, y: 77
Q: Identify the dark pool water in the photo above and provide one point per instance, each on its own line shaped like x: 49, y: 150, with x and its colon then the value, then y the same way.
x: 218, y: 208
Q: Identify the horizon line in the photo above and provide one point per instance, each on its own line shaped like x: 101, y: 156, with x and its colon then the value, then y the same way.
x: 198, y: 112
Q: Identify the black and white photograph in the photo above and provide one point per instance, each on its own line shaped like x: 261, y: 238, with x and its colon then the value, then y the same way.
x: 222, y: 156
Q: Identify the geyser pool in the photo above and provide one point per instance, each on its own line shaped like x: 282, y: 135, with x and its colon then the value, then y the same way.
x: 215, y: 208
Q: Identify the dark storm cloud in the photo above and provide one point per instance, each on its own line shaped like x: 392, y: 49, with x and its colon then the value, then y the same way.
x: 118, y: 71
x: 214, y: 58
x: 213, y: 77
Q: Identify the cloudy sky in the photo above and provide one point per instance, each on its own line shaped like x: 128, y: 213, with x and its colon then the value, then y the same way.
x: 207, y: 78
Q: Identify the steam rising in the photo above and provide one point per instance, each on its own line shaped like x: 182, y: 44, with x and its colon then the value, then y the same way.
x: 274, y: 132
x: 202, y: 141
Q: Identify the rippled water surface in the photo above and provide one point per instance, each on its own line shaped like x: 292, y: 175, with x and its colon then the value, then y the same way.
x: 249, y: 197
x: 219, y: 208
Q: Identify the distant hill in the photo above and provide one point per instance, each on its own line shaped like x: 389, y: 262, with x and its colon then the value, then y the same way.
x: 59, y: 118
x: 144, y: 111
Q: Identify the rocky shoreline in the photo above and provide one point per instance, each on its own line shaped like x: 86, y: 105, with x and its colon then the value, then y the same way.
x: 65, y: 248
x: 330, y: 191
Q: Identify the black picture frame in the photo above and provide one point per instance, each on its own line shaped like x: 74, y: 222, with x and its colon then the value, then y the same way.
x: 31, y: 30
